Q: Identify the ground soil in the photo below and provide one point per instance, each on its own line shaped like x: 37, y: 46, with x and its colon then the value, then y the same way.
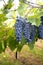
x: 30, y: 60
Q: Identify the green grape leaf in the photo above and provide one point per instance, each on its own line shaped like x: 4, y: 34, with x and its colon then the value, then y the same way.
x: 21, y: 44
x: 5, y: 44
x: 19, y: 48
x: 22, y: 1
x: 12, y: 43
x: 21, y: 8
x: 8, y: 6
x: 11, y: 32
x: 1, y: 48
x: 2, y: 17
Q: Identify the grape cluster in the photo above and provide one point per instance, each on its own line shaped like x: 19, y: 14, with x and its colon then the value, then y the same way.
x: 40, y: 29
x: 33, y: 33
x: 28, y: 30
x: 42, y: 20
x: 18, y: 28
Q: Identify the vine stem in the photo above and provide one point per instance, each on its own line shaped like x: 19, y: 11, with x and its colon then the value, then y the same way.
x: 16, y: 55
x: 34, y: 5
x: 31, y: 6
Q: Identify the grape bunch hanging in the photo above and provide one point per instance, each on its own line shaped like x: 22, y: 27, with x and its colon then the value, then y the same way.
x: 40, y: 29
x: 29, y: 31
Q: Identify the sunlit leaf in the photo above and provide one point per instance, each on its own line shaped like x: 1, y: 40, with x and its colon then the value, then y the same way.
x: 2, y: 17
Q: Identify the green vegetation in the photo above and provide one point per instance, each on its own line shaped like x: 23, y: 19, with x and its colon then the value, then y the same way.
x: 31, y: 12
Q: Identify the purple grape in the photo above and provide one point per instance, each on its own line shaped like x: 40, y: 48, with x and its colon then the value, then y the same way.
x: 40, y: 31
